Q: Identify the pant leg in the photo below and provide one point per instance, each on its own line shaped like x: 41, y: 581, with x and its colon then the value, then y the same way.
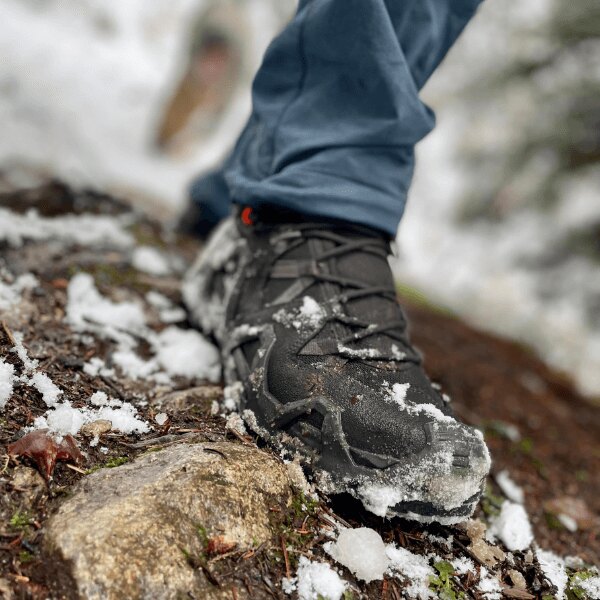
x: 336, y: 111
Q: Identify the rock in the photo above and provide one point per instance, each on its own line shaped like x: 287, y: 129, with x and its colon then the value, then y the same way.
x: 96, y: 428
x: 517, y: 579
x: 125, y: 531
x: 29, y: 482
x: 486, y: 553
x: 199, y: 398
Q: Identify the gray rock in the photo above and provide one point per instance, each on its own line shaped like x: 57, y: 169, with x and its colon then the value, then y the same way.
x: 125, y: 531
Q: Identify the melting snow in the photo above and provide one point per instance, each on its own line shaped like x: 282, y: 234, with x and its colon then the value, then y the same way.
x: 45, y: 386
x: 554, y: 569
x: 87, y: 309
x: 315, y: 580
x: 10, y: 293
x: 463, y: 565
x: 414, y: 568
x: 489, y: 585
x: 360, y: 550
x: 167, y: 311
x: 590, y: 586
x: 84, y: 230
x: 509, y: 488
x: 7, y: 378
x: 512, y: 527
x: 309, y: 315
x: 187, y: 353
x: 28, y: 363
x: 150, y: 260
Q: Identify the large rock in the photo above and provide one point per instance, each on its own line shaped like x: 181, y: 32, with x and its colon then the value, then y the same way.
x: 125, y: 531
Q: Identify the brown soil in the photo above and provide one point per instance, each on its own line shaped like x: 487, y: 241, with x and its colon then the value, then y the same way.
x: 492, y: 382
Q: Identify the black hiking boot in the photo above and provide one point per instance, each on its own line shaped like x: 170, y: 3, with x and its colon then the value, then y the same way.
x: 314, y: 345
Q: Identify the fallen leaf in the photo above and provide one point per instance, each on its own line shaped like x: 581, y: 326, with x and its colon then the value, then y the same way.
x: 45, y: 451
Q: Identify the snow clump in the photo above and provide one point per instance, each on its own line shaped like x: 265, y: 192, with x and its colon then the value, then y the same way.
x: 413, y: 568
x: 489, y: 586
x: 10, y: 291
x: 509, y: 488
x: 512, y: 527
x: 554, y: 569
x: 150, y: 260
x: 309, y: 315
x: 591, y: 586
x: 315, y: 580
x: 360, y: 550
x: 7, y: 379
x: 45, y: 386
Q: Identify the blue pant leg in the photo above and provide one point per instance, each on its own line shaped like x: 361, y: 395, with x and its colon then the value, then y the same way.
x: 336, y: 111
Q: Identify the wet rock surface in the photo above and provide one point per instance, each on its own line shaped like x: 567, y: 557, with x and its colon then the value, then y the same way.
x: 136, y: 531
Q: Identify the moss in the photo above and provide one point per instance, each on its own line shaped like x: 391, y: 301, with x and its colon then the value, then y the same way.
x: 20, y: 520
x: 574, y: 591
x: 111, y: 463
x: 414, y: 296
x: 490, y: 502
x: 25, y: 556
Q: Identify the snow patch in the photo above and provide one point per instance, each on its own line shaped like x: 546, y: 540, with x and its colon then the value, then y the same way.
x: 151, y: 260
x: 45, y: 386
x: 554, y: 569
x: 83, y: 230
x: 315, y: 580
x: 489, y: 585
x: 512, y: 527
x: 509, y: 488
x: 412, y: 567
x: 7, y: 379
x: 10, y: 291
x: 360, y: 550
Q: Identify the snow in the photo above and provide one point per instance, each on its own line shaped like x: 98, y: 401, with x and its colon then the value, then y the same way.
x: 316, y: 580
x: 150, y: 260
x: 7, y: 379
x: 412, y: 567
x: 168, y: 312
x: 45, y: 386
x: 509, y: 488
x: 84, y: 230
x: 399, y: 391
x: 554, y: 569
x: 360, y: 550
x: 161, y: 418
x: 591, y: 586
x: 398, y: 394
x: 569, y: 523
x: 489, y: 585
x: 96, y: 366
x: 87, y: 308
x: 65, y: 419
x: 463, y: 565
x: 10, y: 291
x: 177, y: 352
x: 512, y: 527
x: 187, y: 353
x: 28, y: 363
x: 308, y: 316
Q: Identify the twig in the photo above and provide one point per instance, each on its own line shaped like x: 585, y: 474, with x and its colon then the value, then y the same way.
x: 74, y: 468
x: 8, y: 333
x: 288, y: 573
x: 5, y: 464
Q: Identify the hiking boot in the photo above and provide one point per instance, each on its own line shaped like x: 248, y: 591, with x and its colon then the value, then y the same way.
x: 316, y: 354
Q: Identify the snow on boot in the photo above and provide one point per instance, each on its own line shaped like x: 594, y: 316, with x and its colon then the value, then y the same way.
x: 315, y: 343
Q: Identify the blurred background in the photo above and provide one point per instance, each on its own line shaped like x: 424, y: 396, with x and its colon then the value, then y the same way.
x: 503, y: 225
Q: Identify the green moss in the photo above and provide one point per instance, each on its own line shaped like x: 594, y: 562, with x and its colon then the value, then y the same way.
x: 111, y: 463
x: 25, y: 556
x: 490, y: 502
x: 20, y: 520
x: 443, y: 584
x: 416, y: 297
x: 574, y: 591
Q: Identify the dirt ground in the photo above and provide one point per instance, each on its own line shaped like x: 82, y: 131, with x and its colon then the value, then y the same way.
x: 537, y: 426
